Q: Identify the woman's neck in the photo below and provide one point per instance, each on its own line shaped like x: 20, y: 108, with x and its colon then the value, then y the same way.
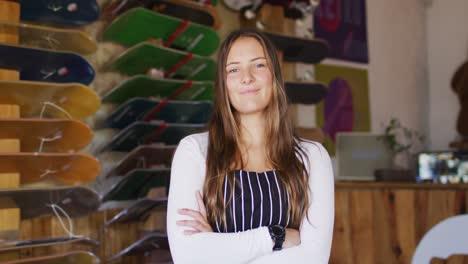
x: 253, y: 130
x: 253, y: 143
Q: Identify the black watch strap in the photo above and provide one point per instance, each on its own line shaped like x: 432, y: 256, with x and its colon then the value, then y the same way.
x: 278, y: 235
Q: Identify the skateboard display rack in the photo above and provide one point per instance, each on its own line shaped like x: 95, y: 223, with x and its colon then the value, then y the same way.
x: 149, y: 113
x: 43, y: 101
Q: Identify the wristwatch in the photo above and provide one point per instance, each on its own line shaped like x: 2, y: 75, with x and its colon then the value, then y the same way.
x: 278, y: 234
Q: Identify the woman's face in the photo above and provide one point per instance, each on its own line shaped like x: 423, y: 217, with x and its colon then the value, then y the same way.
x: 248, y: 77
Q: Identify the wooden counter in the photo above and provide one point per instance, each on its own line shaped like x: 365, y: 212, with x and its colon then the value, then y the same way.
x: 382, y: 222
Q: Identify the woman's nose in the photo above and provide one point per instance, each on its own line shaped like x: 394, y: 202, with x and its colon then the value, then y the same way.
x: 247, y: 77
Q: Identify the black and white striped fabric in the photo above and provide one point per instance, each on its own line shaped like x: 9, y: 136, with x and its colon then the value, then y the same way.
x: 259, y: 199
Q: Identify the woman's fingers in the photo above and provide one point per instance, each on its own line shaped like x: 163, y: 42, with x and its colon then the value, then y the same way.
x: 197, y: 225
x: 190, y: 232
x: 200, y: 222
x: 194, y: 214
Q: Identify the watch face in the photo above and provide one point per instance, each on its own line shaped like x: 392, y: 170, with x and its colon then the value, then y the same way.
x: 277, y: 230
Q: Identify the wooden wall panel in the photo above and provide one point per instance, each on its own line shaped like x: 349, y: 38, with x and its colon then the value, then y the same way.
x: 384, y: 211
x: 361, y: 216
x: 404, y: 225
x: 342, y: 232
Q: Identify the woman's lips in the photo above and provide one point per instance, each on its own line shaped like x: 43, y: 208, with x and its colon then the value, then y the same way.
x: 250, y: 91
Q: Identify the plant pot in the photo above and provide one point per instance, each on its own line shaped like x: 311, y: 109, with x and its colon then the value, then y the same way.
x: 394, y: 175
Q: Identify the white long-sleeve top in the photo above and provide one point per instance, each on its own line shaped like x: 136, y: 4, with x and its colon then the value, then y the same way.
x: 255, y: 245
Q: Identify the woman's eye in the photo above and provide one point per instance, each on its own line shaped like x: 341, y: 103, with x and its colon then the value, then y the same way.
x: 261, y: 65
x: 232, y: 70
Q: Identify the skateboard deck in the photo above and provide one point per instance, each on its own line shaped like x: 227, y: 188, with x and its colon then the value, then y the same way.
x: 139, y: 210
x: 175, y: 64
x: 138, y: 109
x: 144, y: 157
x: 206, y: 2
x: 459, y: 85
x: 305, y: 93
x: 52, y: 38
x: 296, y: 9
x: 140, y: 133
x: 76, y: 99
x: 182, y: 9
x: 66, y: 168
x: 150, y: 242
x: 60, y: 12
x: 144, y: 86
x: 43, y: 65
x: 47, y: 135
x: 71, y: 257
x: 137, y: 183
x: 294, y: 49
x: 48, y: 242
x: 77, y: 201
x: 132, y: 28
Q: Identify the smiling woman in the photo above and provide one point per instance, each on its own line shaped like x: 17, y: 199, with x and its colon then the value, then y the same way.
x: 249, y: 190
x: 248, y: 77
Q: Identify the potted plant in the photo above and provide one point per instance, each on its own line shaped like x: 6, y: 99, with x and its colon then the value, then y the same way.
x: 401, y: 141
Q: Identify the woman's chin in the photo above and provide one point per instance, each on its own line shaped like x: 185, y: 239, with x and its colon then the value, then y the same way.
x: 250, y: 111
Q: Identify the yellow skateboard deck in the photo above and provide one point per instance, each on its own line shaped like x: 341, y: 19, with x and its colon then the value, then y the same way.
x: 76, y: 99
x: 66, y: 168
x: 47, y: 135
x: 49, y: 37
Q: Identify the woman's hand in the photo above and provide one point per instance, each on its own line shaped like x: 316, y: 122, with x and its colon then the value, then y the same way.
x: 292, y: 238
x: 200, y: 222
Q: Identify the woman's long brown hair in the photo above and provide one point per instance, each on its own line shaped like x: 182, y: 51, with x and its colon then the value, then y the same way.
x: 283, y: 150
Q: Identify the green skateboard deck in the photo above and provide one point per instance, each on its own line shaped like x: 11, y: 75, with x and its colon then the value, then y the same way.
x: 71, y: 257
x: 77, y: 201
x: 138, y: 109
x: 175, y: 64
x: 50, y: 37
x: 76, y: 99
x: 140, y: 133
x: 206, y: 2
x: 144, y: 86
x: 47, y: 135
x: 18, y: 245
x: 183, y: 9
x: 144, y: 157
x: 139, y: 210
x: 75, y: 168
x: 133, y: 27
x: 137, y: 183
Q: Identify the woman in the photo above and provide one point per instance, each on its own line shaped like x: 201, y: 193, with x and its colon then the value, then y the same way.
x: 248, y: 190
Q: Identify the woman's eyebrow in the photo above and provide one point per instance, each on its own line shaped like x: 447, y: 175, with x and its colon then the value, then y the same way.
x: 235, y: 62
x: 258, y: 58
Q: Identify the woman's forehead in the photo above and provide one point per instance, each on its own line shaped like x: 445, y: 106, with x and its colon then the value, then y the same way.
x: 245, y: 48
